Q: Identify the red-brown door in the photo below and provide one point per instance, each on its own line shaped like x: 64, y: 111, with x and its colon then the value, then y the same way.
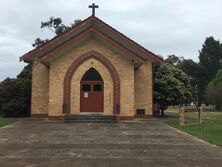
x: 91, y: 96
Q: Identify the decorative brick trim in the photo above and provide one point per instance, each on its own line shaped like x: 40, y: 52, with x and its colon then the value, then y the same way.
x: 57, y: 118
x: 112, y: 70
x: 124, y: 118
x: 39, y: 115
x: 143, y: 116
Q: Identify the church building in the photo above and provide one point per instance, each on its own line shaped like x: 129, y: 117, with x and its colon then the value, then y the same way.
x: 92, y: 69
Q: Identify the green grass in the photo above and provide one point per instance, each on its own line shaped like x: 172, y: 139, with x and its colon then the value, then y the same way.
x: 209, y: 130
x: 6, y: 121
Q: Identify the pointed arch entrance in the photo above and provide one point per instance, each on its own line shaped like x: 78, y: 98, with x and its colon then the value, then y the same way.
x: 91, y: 92
x: 112, y: 70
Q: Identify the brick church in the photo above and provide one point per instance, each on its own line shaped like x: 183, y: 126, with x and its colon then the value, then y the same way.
x: 91, y: 69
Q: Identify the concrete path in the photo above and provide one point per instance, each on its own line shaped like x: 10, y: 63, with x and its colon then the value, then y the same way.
x: 32, y: 143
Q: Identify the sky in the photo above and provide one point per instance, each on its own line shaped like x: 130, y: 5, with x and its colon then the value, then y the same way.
x: 164, y: 27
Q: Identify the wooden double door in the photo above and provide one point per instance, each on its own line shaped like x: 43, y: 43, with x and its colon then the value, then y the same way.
x: 91, y: 96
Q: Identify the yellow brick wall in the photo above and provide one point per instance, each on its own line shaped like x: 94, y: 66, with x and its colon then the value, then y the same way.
x: 144, y: 88
x: 59, y: 67
x: 40, y: 89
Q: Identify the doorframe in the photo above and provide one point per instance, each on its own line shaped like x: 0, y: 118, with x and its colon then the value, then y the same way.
x: 71, y: 71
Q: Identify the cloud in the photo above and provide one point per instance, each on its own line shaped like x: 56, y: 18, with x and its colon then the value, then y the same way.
x: 165, y: 27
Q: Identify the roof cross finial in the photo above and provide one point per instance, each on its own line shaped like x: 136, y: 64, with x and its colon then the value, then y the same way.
x: 93, y: 6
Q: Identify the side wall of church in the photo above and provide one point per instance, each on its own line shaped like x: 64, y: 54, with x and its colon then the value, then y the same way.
x: 59, y: 67
x: 40, y: 89
x: 144, y: 88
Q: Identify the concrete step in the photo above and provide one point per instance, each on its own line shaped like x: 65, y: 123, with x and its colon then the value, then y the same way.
x: 90, y: 118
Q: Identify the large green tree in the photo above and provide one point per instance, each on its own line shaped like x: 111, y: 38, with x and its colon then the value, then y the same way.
x: 171, y: 87
x: 196, y: 74
x: 214, y: 91
x: 15, y: 97
x: 210, y: 57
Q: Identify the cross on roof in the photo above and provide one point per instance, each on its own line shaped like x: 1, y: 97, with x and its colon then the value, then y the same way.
x: 93, y: 6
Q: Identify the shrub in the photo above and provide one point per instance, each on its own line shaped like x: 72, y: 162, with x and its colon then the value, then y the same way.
x: 15, y: 97
x: 214, y: 91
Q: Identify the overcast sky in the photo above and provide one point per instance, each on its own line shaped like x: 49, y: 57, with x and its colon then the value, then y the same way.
x: 164, y: 27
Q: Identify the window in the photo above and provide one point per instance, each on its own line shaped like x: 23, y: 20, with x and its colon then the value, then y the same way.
x: 85, y: 87
x: 91, y: 75
x: 97, y: 87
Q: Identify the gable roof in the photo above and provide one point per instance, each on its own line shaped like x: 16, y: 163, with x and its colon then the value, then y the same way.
x: 89, y: 25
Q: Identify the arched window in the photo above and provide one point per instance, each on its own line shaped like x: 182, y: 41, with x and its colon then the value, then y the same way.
x: 91, y: 75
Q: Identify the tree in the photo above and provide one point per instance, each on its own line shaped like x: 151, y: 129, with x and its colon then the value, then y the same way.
x: 174, y: 60
x: 171, y: 87
x: 15, y: 94
x: 56, y: 26
x: 39, y: 42
x: 15, y: 97
x: 214, y: 91
x: 26, y: 72
x: 196, y: 74
x: 210, y: 58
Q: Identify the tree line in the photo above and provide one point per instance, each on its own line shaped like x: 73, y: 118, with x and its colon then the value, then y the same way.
x: 204, y: 75
x: 178, y: 81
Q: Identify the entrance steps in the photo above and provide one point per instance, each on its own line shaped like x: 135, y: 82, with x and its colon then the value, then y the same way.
x: 94, y: 118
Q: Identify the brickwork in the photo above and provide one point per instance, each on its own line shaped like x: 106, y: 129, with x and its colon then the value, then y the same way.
x: 40, y: 89
x: 143, y: 88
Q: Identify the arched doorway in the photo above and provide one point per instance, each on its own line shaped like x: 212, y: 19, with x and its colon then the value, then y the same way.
x: 75, y: 64
x: 91, y: 92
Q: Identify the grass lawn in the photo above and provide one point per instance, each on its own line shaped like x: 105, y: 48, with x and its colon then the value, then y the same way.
x: 5, y: 121
x: 209, y: 130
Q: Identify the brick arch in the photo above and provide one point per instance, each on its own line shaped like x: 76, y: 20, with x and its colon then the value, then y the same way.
x: 112, y: 70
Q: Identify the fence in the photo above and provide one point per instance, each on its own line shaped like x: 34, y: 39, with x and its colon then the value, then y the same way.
x: 182, y: 112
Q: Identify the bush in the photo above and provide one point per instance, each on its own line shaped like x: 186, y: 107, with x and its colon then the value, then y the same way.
x: 214, y: 91
x: 15, y: 97
x: 171, y: 87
